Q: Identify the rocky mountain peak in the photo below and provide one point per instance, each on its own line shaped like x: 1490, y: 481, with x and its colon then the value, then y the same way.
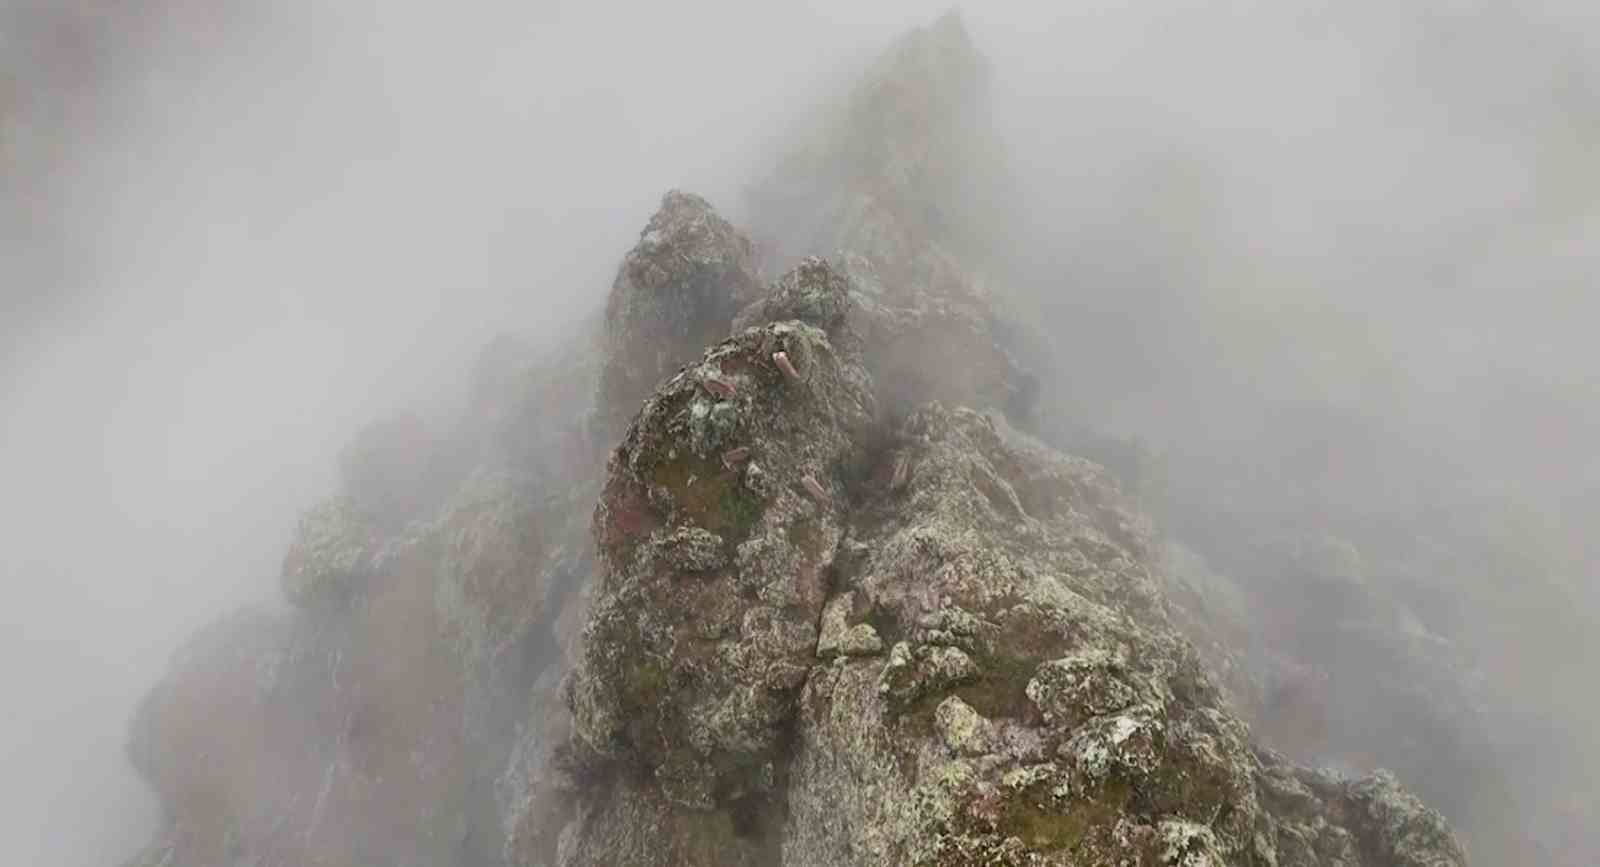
x: 826, y: 601
x: 675, y: 291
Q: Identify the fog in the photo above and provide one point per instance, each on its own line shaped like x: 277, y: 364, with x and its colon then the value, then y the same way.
x: 233, y: 235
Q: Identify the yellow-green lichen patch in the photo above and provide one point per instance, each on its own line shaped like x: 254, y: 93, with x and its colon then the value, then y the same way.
x: 994, y: 681
x: 962, y: 729
x: 706, y: 494
x: 1025, y: 638
x: 641, y: 680
x: 1001, y: 690
x: 1048, y: 821
x: 1193, y: 782
x: 1032, y: 817
x: 993, y: 692
x: 1078, y: 686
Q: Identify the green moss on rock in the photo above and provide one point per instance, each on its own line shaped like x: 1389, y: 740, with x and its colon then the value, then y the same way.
x: 330, y: 555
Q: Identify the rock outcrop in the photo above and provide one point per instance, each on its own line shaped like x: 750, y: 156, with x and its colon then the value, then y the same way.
x: 961, y: 656
x: 674, y: 293
x: 716, y: 531
x: 373, y: 721
x: 825, y: 603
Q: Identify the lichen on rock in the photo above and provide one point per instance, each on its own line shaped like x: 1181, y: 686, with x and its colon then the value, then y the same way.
x: 675, y: 292
x: 707, y: 618
x: 1079, y: 729
x: 813, y: 292
x: 330, y: 554
x: 825, y: 603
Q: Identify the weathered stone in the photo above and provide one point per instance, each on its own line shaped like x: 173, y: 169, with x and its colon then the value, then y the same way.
x: 330, y: 555
x: 1076, y: 688
x: 675, y: 293
x: 1033, y: 641
x: 705, y: 716
x: 690, y: 549
x: 860, y: 640
x: 812, y: 292
x: 964, y: 731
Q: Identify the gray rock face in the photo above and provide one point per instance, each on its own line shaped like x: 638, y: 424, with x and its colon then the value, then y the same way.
x: 375, y: 722
x: 1076, y: 726
x: 707, y: 619
x: 1010, y: 725
x: 1035, y: 704
x: 813, y: 293
x: 965, y: 631
x: 675, y: 293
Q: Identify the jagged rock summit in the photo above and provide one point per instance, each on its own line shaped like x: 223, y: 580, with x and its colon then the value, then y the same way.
x: 833, y: 632
x: 687, y: 276
x: 824, y: 601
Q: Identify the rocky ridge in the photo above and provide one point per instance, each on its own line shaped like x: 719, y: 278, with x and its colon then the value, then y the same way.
x: 833, y: 604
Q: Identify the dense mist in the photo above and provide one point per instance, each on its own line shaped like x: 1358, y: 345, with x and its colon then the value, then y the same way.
x: 1289, y: 268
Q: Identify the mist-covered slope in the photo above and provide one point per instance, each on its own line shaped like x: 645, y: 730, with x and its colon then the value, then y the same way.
x: 785, y: 558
